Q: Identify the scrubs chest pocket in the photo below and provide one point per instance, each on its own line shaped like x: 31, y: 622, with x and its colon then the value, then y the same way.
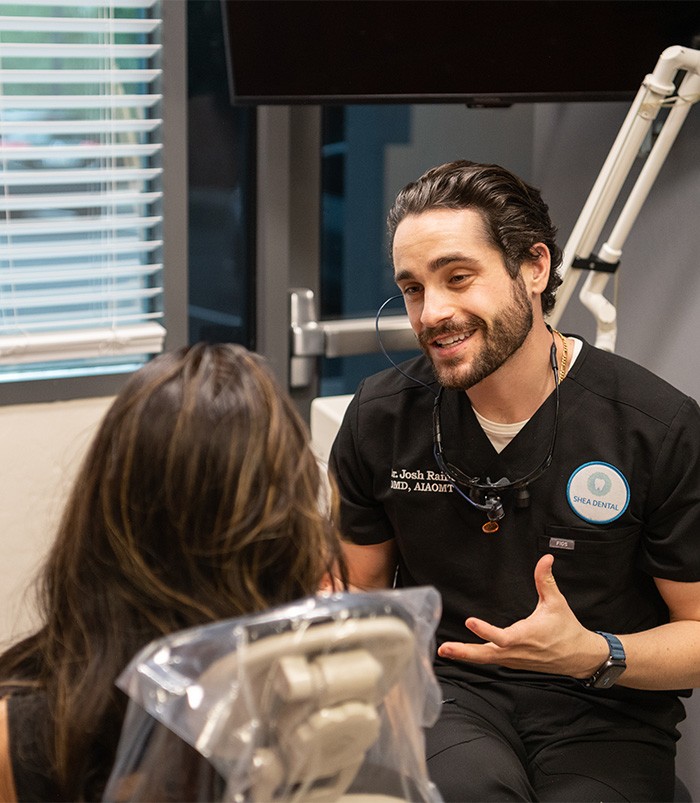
x: 596, y: 570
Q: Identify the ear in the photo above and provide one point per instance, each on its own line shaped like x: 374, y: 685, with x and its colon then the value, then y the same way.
x: 535, y: 270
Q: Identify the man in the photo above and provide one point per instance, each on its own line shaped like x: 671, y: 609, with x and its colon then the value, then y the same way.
x: 551, y: 493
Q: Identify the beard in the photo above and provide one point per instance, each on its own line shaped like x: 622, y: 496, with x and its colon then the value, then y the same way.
x: 501, y: 339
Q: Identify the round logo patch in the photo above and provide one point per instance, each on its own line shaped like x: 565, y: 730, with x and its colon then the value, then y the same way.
x: 598, y: 492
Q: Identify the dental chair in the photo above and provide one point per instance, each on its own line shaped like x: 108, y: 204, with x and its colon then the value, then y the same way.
x: 321, y: 700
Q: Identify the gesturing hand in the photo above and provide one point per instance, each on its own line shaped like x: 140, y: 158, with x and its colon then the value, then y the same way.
x: 550, y: 640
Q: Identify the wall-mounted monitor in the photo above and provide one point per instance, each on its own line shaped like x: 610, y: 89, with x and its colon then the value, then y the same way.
x: 481, y: 52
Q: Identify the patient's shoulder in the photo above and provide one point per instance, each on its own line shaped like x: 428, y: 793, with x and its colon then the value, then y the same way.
x: 27, y: 728
x: 7, y: 781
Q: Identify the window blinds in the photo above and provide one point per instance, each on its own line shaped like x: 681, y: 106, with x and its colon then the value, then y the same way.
x: 80, y: 186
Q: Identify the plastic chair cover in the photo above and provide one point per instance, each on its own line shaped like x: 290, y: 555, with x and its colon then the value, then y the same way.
x: 319, y: 700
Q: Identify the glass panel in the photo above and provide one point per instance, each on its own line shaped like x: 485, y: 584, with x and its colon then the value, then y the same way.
x: 221, y: 203
x: 369, y: 152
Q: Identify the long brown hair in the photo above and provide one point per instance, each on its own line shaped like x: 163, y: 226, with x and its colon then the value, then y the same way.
x: 199, y: 499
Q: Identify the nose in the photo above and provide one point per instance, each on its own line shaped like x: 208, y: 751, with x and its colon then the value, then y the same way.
x: 438, y: 306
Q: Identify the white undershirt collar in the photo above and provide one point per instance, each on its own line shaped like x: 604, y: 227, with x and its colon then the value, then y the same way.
x: 501, y: 435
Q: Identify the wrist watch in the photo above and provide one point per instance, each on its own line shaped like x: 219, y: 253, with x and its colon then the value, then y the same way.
x: 608, y: 672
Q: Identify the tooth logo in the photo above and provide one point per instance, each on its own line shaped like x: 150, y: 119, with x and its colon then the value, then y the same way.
x: 598, y: 492
x: 599, y: 483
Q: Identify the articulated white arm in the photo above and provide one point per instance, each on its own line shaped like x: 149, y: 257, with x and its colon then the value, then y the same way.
x: 656, y: 90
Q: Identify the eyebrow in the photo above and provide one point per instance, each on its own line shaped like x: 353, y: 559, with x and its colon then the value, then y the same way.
x: 437, y: 264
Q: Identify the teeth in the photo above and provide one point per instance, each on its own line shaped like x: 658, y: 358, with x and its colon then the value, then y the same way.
x: 452, y: 340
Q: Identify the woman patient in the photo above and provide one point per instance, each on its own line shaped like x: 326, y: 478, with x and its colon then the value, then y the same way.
x: 198, y: 500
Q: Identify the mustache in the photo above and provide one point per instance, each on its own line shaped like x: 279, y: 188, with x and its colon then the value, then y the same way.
x: 430, y: 333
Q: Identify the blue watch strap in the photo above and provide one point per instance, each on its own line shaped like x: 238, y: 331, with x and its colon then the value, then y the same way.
x: 617, y: 651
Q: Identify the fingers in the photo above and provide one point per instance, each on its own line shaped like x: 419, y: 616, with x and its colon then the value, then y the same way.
x: 473, y: 653
x: 545, y: 583
x: 484, y: 630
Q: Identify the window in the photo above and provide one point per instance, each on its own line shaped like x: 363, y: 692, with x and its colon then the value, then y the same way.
x: 80, y: 187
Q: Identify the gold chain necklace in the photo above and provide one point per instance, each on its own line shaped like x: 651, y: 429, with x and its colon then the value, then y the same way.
x: 565, y: 354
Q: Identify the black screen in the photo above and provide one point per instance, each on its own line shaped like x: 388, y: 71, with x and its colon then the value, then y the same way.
x: 475, y: 51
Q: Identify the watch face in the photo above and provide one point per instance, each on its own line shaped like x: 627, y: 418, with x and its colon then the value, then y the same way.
x: 608, y: 676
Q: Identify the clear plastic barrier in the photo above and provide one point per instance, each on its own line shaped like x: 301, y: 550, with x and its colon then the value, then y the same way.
x: 320, y: 700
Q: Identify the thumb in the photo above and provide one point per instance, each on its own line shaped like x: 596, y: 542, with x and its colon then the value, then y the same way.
x: 545, y: 583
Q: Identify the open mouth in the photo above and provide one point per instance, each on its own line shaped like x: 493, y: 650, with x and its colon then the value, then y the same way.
x: 451, y: 340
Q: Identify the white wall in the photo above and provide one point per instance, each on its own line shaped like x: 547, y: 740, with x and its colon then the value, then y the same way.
x: 41, y: 446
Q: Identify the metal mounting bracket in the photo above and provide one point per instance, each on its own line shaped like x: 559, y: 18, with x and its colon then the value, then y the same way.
x: 311, y: 338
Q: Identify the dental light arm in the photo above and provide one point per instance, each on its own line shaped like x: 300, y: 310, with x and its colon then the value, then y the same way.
x: 657, y: 90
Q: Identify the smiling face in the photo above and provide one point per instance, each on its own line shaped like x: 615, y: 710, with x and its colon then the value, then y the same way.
x: 469, y: 315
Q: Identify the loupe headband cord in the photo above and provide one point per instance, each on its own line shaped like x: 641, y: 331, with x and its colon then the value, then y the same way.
x: 492, y: 505
x: 457, y: 477
x: 386, y: 354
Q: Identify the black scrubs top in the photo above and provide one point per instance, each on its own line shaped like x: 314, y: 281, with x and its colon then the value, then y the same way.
x: 618, y: 506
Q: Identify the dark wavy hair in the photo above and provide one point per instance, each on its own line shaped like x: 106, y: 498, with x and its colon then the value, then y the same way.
x: 199, y: 499
x: 514, y: 214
